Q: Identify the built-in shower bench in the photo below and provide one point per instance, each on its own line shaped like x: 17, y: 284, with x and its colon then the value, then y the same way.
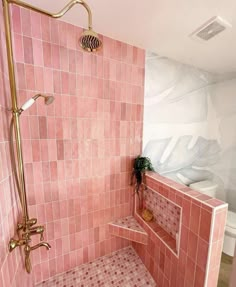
x: 130, y: 229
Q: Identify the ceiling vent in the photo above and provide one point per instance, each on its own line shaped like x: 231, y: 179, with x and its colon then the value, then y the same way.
x: 210, y: 29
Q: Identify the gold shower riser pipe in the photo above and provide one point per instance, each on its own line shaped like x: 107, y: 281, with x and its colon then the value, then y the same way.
x: 12, y: 81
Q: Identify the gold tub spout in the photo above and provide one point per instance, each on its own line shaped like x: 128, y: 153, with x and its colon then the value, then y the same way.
x: 41, y: 244
x: 28, y: 249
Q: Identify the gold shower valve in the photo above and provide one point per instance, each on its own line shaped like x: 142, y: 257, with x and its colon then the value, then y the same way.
x: 34, y: 231
x: 28, y: 224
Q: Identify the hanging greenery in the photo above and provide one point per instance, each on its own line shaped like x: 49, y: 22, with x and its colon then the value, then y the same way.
x: 141, y: 164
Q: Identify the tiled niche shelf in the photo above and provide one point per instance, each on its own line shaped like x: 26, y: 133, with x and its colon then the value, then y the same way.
x: 130, y: 229
x: 166, y: 218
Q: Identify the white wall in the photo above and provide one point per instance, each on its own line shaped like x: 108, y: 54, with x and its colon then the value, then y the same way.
x: 190, y: 124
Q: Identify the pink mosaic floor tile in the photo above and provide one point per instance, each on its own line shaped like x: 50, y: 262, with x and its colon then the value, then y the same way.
x: 130, y: 223
x: 122, y: 268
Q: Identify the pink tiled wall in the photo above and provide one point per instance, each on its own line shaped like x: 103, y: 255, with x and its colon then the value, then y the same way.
x: 202, y: 233
x: 78, y: 150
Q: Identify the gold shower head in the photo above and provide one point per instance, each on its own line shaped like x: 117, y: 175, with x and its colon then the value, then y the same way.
x: 89, y: 41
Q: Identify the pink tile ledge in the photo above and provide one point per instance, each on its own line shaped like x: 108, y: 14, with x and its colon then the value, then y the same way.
x: 130, y: 229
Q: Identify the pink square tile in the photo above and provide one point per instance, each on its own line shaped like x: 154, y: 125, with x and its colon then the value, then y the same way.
x: 18, y: 48
x: 205, y: 224
x: 195, y: 218
x: 16, y: 17
x: 202, y: 253
x: 36, y: 30
x: 28, y: 50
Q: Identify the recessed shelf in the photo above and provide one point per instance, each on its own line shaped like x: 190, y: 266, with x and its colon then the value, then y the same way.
x: 166, y: 218
x: 160, y: 232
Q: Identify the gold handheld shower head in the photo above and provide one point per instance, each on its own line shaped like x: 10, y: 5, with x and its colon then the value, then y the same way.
x: 47, y: 100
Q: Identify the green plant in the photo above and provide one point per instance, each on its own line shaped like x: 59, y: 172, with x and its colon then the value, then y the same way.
x: 141, y: 164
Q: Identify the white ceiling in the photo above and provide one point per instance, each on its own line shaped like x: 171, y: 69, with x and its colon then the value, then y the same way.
x: 162, y: 26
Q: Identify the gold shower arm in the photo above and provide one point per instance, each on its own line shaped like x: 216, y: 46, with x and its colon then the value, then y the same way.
x: 60, y: 13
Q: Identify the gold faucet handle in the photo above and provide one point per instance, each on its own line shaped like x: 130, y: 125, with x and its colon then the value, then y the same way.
x: 36, y: 230
x: 20, y: 226
x: 31, y: 222
x: 13, y: 243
